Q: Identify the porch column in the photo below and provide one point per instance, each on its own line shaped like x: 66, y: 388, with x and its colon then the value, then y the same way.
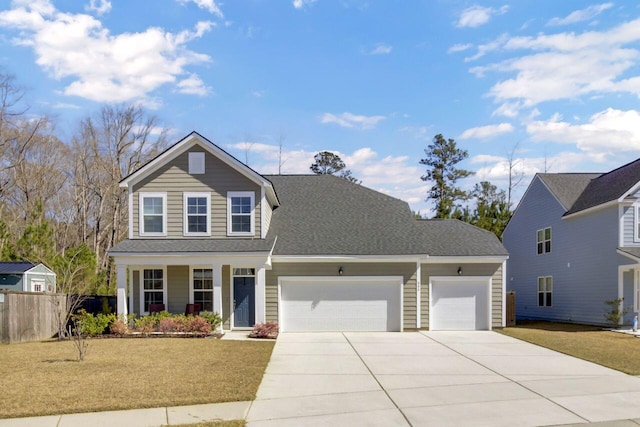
x: 121, y: 279
x: 260, y: 294
x: 217, y: 289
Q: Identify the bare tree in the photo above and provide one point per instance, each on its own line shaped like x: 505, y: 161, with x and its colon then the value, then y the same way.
x: 281, y: 162
x: 516, y: 172
x: 109, y: 147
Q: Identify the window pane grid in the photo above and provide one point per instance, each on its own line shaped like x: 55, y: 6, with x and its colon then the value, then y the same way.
x: 153, y: 214
x: 197, y: 213
x: 153, y: 286
x: 241, y: 214
x: 545, y: 291
x: 543, y: 238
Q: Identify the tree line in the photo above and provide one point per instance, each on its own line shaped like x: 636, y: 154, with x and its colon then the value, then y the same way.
x: 60, y: 203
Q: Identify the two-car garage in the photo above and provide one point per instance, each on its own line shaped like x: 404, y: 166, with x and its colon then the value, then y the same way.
x: 310, y: 304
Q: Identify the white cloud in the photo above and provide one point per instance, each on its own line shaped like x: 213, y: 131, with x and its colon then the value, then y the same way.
x: 476, y: 16
x: 581, y: 15
x: 100, y: 7
x: 193, y: 85
x: 209, y: 5
x: 605, y: 134
x: 380, y: 49
x: 299, y: 4
x: 349, y: 120
x: 132, y: 65
x: 563, y: 66
x: 459, y: 47
x: 482, y: 132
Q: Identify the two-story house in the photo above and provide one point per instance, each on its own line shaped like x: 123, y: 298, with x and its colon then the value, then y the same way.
x: 574, y: 243
x: 312, y: 252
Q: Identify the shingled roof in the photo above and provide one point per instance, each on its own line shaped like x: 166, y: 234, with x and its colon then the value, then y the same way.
x: 322, y: 215
x: 10, y: 267
x: 567, y: 187
x: 607, y: 187
x: 451, y: 237
x: 192, y: 245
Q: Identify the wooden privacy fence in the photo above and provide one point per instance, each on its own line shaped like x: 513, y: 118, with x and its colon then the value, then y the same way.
x: 28, y: 316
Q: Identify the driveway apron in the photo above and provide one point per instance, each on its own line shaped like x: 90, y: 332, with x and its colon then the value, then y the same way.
x: 434, y: 379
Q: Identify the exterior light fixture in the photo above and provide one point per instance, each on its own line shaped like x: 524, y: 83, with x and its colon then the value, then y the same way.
x: 340, y: 271
x: 459, y: 271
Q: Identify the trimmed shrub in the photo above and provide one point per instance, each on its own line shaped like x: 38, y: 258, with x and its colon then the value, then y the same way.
x: 119, y: 327
x: 213, y: 318
x: 88, y: 324
x: 265, y: 330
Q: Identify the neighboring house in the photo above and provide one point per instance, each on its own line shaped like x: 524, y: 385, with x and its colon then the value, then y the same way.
x: 26, y: 277
x: 574, y: 242
x: 311, y: 252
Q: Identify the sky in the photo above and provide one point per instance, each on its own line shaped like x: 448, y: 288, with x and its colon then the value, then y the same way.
x: 552, y: 85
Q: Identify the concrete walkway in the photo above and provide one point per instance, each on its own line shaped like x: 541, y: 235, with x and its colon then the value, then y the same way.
x: 435, y: 379
x: 153, y: 417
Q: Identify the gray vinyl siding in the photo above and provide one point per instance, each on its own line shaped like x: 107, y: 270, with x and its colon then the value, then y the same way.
x: 628, y: 226
x: 177, y: 284
x: 267, y: 215
x: 174, y: 179
x: 583, y: 260
x: 475, y: 269
x: 406, y: 270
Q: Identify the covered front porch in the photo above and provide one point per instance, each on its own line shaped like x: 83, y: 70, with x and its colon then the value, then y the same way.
x: 233, y: 286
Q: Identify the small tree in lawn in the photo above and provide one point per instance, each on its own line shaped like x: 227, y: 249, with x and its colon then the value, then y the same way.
x: 328, y: 163
x: 442, y: 156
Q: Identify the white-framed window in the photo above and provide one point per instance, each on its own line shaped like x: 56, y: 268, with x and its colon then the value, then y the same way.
x: 152, y: 287
x: 240, y: 213
x: 545, y: 291
x: 202, y: 288
x: 38, y: 285
x: 196, y: 163
x: 543, y: 238
x: 153, y: 214
x: 197, y: 216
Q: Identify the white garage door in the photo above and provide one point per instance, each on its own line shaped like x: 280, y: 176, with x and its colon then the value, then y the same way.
x: 459, y: 304
x: 340, y: 304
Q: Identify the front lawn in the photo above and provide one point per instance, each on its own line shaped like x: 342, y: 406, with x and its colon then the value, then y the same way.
x: 611, y: 349
x: 44, y: 378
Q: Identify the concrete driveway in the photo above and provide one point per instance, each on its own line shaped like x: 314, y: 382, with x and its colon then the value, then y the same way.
x: 434, y: 379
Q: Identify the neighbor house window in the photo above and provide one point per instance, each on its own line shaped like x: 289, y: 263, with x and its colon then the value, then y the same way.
x: 545, y: 291
x: 544, y: 240
x: 152, y: 288
x: 240, y: 214
x: 202, y: 282
x: 196, y: 163
x: 153, y: 214
x: 197, y: 220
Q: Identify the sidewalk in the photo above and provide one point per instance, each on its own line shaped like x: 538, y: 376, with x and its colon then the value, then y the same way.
x: 152, y: 417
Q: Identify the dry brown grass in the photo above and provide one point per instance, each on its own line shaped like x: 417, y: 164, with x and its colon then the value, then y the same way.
x: 611, y: 349
x: 44, y: 378
x: 232, y: 423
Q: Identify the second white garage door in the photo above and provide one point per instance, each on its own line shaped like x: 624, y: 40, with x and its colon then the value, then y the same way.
x: 340, y: 304
x: 459, y: 303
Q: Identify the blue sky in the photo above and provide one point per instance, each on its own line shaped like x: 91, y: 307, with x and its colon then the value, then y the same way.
x: 553, y: 83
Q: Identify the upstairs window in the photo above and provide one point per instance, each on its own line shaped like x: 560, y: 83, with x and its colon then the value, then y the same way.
x: 196, y: 163
x: 153, y: 214
x: 636, y: 235
x: 197, y: 220
x: 240, y: 213
x: 545, y: 291
x: 544, y: 241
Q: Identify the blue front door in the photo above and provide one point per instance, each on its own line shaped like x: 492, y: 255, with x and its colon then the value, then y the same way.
x: 244, y: 302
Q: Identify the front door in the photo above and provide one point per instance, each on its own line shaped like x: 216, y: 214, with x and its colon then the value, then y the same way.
x: 244, y: 301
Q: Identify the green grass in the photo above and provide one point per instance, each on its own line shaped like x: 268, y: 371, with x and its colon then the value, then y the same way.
x: 611, y: 349
x: 44, y: 378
